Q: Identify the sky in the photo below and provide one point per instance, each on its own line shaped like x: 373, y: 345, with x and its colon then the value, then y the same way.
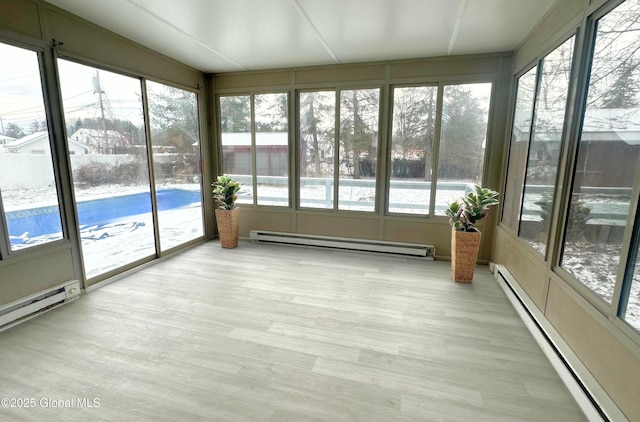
x: 21, y: 100
x: 21, y: 93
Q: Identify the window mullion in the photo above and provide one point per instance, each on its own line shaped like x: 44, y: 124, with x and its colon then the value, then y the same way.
x: 152, y: 178
x: 4, y: 233
x: 254, y: 161
x: 435, y: 151
x: 336, y: 154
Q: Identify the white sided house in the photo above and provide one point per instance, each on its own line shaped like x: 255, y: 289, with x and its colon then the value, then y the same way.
x: 38, y: 143
x: 101, y: 141
x: 6, y: 139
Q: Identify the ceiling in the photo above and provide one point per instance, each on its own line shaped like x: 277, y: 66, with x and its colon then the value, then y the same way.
x: 234, y: 35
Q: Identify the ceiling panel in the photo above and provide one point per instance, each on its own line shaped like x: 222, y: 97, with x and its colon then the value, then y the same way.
x: 502, y: 24
x: 255, y: 34
x: 231, y: 35
x: 129, y: 20
x: 360, y: 30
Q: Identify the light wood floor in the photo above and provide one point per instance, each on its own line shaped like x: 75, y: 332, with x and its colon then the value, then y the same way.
x: 276, y: 333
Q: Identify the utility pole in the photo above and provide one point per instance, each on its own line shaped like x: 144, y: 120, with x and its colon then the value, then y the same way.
x: 97, y: 89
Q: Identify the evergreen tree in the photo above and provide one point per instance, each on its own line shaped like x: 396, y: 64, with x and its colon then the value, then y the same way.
x: 14, y: 131
x: 171, y: 107
x: 271, y: 112
x: 413, y: 129
x: 235, y: 114
x: 317, y: 122
x: 463, y: 133
x: 359, y: 110
x: 623, y: 92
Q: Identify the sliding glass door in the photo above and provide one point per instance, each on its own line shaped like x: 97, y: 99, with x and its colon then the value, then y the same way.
x: 107, y: 145
x: 175, y: 140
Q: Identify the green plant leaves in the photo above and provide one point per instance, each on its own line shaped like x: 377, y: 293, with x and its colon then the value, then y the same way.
x: 465, y: 212
x: 224, y: 192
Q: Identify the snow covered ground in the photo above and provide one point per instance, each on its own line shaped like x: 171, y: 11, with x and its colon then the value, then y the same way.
x: 122, y: 241
x: 127, y: 240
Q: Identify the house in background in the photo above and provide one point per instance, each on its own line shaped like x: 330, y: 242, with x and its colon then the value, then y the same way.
x: 38, y: 143
x: 101, y: 141
x: 271, y: 153
x: 6, y: 139
x: 613, y: 132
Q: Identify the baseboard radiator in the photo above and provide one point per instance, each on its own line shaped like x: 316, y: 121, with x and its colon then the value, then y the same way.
x: 380, y: 246
x: 592, y: 399
x: 39, y: 303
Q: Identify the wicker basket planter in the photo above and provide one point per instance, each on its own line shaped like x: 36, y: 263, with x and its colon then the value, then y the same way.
x: 464, y: 254
x: 228, y: 227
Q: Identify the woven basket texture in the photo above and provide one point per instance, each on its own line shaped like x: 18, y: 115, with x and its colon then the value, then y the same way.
x: 228, y: 227
x: 464, y: 254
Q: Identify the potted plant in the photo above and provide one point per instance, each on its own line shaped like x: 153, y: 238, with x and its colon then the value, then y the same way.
x: 225, y: 191
x: 465, y: 237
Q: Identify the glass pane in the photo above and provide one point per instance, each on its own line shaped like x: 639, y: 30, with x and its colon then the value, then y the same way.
x: 173, y: 116
x: 317, y: 144
x: 272, y: 148
x: 631, y: 312
x: 103, y: 113
x: 235, y: 127
x: 607, y: 154
x: 520, y: 133
x: 411, y: 145
x: 27, y: 182
x: 359, y: 113
x: 544, y: 148
x: 465, y: 115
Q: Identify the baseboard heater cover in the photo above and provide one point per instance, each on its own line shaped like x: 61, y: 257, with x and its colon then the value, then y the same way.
x: 380, y: 246
x: 34, y: 305
x: 592, y: 399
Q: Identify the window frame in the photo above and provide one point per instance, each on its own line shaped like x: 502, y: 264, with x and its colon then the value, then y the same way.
x: 252, y: 132
x: 6, y: 253
x: 488, y: 135
x: 539, y: 64
x: 147, y: 117
x: 574, y: 120
x: 72, y: 204
x: 440, y: 85
x: 436, y: 138
x: 514, y: 103
x: 380, y: 149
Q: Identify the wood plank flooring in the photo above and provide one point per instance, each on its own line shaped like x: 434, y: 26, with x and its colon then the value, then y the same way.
x: 277, y: 333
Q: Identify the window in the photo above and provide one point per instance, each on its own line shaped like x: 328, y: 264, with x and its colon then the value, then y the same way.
x: 413, y: 134
x: 359, y: 114
x: 520, y: 134
x: 544, y: 146
x: 630, y: 297
x: 317, y: 146
x: 255, y: 133
x: 28, y: 187
x: 235, y: 128
x: 464, y: 121
x: 173, y: 117
x: 352, y: 157
x: 272, y: 149
x: 608, y: 155
x: 103, y: 112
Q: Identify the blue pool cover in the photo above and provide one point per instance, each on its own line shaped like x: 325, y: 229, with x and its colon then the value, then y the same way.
x: 45, y: 221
